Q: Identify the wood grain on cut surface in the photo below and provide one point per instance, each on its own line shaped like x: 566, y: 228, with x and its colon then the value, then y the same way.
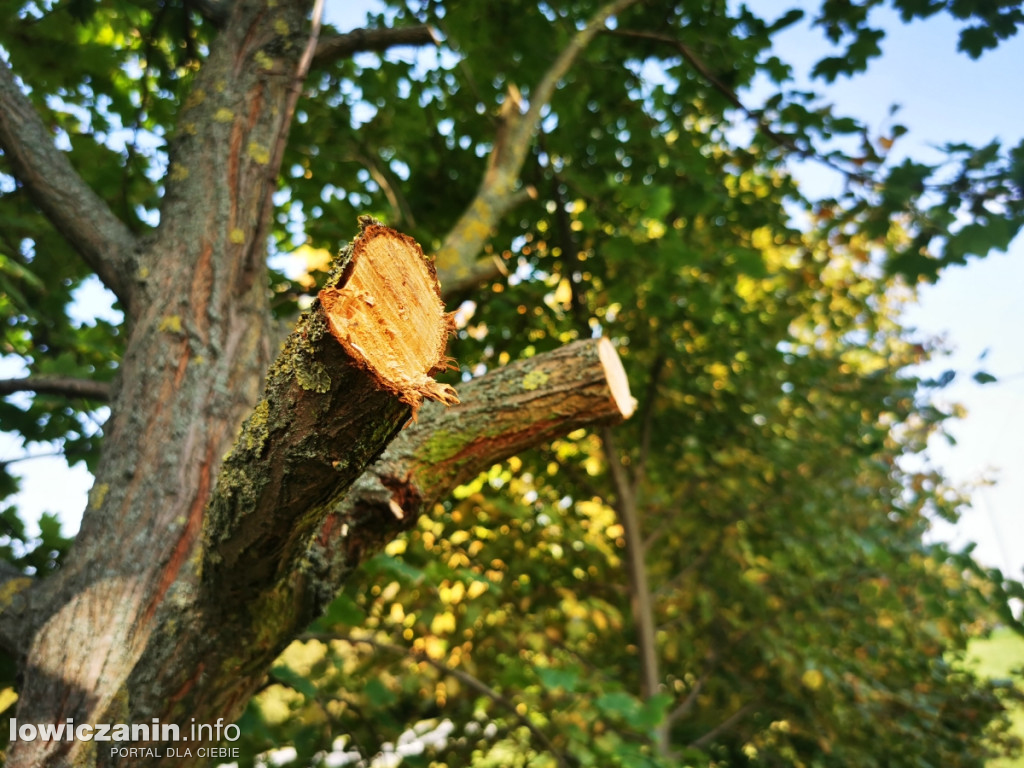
x: 388, y: 315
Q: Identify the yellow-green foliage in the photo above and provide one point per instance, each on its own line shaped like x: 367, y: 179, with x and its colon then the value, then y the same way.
x: 996, y: 657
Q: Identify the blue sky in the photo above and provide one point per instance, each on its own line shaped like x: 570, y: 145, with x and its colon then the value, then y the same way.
x: 944, y: 96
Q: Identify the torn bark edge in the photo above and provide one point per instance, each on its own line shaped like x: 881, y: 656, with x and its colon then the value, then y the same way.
x: 374, y: 301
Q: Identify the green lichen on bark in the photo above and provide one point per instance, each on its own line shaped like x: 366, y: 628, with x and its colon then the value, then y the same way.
x: 300, y: 347
x: 255, y: 431
x: 313, y: 377
x: 10, y: 589
x: 272, y: 617
x: 440, y: 446
x: 534, y: 379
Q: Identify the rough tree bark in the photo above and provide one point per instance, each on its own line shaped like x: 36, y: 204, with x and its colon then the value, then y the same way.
x: 204, y: 551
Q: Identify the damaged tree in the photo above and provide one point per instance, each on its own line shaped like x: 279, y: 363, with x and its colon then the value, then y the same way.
x: 202, y: 551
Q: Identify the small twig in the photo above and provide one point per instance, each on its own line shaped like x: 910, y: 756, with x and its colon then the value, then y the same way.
x: 295, y: 89
x: 691, y: 698
x: 393, y: 192
x: 678, y: 578
x: 697, y: 63
x: 48, y: 455
x: 473, y: 682
x: 729, y: 722
x: 298, y: 78
x: 652, y: 538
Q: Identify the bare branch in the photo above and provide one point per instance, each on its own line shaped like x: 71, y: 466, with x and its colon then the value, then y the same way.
x: 545, y: 89
x: 392, y: 191
x: 334, y: 47
x: 294, y: 92
x: 725, y: 725
x: 457, y: 264
x: 78, y: 213
x: 641, y: 600
x: 647, y: 419
x: 56, y: 385
x: 691, y: 698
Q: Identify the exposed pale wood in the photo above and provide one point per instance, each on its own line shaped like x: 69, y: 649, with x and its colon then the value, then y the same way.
x: 388, y: 315
x: 618, y: 384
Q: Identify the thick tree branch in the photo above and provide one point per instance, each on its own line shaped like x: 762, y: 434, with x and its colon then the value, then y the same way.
x: 57, y: 385
x: 343, y: 386
x: 78, y: 213
x: 349, y: 377
x: 342, y: 46
x: 457, y: 263
x: 508, y: 410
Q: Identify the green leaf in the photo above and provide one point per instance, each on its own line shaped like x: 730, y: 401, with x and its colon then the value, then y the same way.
x: 378, y: 694
x: 292, y: 679
x: 555, y: 678
x: 342, y: 610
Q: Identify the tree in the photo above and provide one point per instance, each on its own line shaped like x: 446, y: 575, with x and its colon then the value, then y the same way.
x: 779, y: 600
